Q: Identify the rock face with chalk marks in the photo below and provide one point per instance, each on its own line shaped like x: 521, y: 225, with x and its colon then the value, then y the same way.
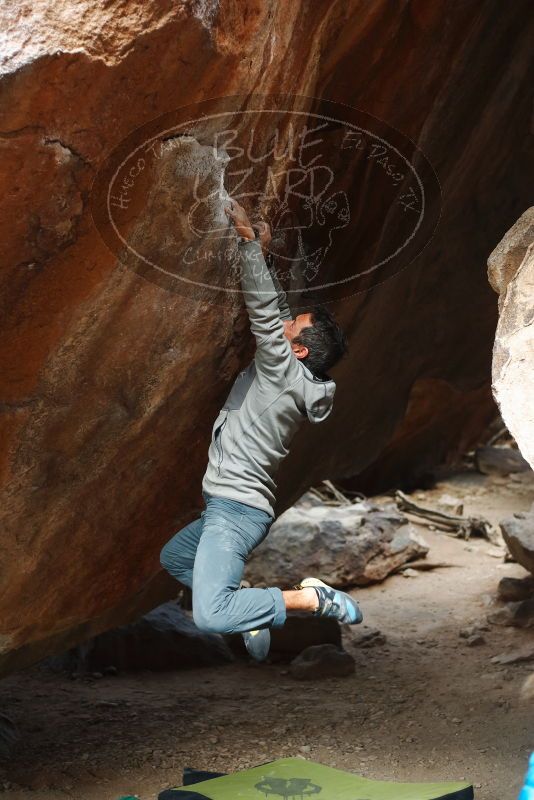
x: 110, y: 383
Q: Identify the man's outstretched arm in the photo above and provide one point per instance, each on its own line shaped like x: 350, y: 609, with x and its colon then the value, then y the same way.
x: 264, y: 235
x: 273, y: 351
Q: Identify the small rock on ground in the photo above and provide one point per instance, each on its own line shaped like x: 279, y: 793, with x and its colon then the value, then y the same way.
x: 368, y: 637
x: 503, y: 616
x: 515, y: 657
x: 473, y: 630
x: 516, y: 589
x: 527, y: 692
x: 322, y: 661
x: 500, y: 461
x: 523, y: 616
x: 475, y: 640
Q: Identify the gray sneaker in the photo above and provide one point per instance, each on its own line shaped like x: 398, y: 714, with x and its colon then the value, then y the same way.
x: 257, y: 643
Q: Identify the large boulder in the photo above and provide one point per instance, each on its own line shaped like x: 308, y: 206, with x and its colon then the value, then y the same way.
x: 164, y: 639
x: 511, y: 273
x: 518, y: 533
x: 352, y: 545
x: 111, y: 382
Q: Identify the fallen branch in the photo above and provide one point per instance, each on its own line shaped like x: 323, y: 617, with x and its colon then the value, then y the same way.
x: 496, y: 436
x: 451, y: 524
x: 324, y: 498
x: 332, y: 496
x: 424, y: 566
x: 337, y: 494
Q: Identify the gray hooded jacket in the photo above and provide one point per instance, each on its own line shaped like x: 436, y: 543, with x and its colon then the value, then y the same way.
x: 269, y: 399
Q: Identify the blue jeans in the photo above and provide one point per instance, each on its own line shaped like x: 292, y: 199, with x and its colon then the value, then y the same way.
x: 209, y: 556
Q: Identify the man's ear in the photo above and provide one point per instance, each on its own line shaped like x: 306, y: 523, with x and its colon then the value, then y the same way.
x: 300, y: 350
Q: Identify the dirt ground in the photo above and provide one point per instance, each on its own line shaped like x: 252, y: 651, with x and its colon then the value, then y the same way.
x: 424, y: 705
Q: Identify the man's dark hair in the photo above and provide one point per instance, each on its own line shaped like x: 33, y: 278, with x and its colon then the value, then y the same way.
x: 325, y: 341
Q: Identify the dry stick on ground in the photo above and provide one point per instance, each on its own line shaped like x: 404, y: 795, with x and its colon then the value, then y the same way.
x: 332, y: 496
x: 496, y: 436
x: 322, y: 497
x: 453, y: 525
x: 337, y: 494
x: 424, y: 566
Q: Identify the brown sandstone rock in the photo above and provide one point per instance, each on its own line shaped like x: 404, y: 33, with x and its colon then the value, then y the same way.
x: 110, y: 383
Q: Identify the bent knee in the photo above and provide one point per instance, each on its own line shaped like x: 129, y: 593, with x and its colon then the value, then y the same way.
x: 165, y: 558
x: 210, y: 619
x: 170, y: 560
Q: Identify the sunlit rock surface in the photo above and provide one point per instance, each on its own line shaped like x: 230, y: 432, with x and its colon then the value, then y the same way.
x: 511, y: 273
x: 110, y: 383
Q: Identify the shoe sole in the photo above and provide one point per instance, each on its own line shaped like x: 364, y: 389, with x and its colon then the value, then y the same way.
x: 258, y: 643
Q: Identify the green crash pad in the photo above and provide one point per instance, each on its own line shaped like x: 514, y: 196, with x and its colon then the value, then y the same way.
x: 296, y: 779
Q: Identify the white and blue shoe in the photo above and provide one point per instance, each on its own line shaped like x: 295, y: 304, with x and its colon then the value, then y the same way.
x: 257, y: 643
x: 333, y: 603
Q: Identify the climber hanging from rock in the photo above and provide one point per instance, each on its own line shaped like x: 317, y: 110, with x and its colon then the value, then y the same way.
x: 286, y: 383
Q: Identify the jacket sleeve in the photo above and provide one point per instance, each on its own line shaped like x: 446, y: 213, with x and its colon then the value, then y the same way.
x: 283, y: 307
x: 266, y: 302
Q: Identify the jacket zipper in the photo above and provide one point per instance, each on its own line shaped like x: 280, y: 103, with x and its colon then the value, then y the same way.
x: 219, y: 444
